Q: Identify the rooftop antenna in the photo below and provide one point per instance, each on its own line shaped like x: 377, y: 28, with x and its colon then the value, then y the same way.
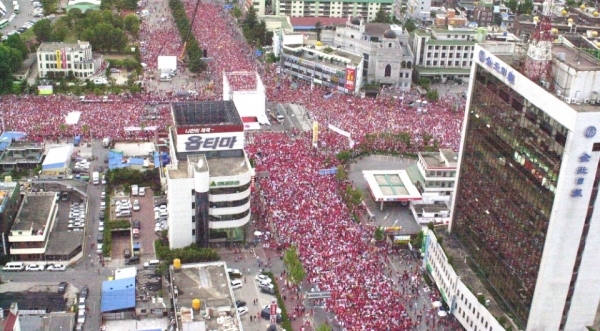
x: 538, y: 65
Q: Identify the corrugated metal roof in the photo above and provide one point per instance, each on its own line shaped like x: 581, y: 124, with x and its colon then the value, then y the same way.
x: 118, y: 294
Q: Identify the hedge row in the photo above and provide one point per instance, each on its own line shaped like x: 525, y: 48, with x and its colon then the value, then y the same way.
x: 192, y: 48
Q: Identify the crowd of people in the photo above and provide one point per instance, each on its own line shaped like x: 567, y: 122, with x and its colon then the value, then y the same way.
x: 336, y: 252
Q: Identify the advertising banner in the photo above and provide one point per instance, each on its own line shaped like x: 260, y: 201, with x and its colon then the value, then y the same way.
x: 210, y: 142
x: 350, y: 78
x: 315, y: 132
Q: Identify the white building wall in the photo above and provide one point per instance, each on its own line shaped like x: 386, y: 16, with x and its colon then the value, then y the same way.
x: 463, y: 304
x: 568, y: 215
x: 179, y: 206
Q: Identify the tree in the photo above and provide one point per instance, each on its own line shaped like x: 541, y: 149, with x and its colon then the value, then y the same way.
x: 17, y: 43
x: 512, y: 5
x: 381, y: 16
x: 60, y: 31
x: 294, y: 265
x: 323, y: 327
x: 132, y: 24
x: 525, y: 7
x: 43, y: 30
x: 129, y: 4
x: 379, y: 234
x: 251, y: 19
x: 236, y: 12
x: 318, y: 29
x: 410, y: 25
x: 432, y: 95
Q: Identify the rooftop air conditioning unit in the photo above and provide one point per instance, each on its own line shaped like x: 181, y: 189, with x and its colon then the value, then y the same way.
x: 559, y: 93
x: 568, y: 100
x: 586, y: 101
x: 592, y: 102
x: 578, y: 102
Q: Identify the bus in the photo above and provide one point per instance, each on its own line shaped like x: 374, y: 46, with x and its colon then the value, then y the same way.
x: 16, y: 9
x: 3, y: 24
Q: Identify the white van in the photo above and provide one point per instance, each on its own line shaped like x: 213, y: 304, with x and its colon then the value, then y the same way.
x: 124, y: 213
x: 14, y: 266
x: 151, y: 264
x: 236, y: 284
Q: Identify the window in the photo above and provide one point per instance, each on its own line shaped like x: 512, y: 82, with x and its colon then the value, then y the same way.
x: 193, y: 205
x: 388, y: 71
x: 193, y: 232
x: 193, y: 218
x: 193, y: 192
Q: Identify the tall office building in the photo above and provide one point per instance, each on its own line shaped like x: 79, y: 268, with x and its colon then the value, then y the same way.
x: 525, y: 206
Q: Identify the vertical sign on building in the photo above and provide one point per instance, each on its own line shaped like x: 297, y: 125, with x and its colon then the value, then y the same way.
x: 273, y: 312
x: 315, y: 132
x: 350, y: 78
x: 64, y: 58
x: 58, y: 58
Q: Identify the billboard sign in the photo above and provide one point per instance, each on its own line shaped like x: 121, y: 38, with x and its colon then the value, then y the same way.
x: 208, y: 129
x: 273, y: 312
x: 210, y: 142
x: 350, y: 78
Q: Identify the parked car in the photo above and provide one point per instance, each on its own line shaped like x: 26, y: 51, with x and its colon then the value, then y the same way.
x: 240, y: 303
x: 235, y: 284
x: 126, y: 253
x: 62, y: 287
x: 263, y: 279
x: 35, y: 267
x: 242, y: 310
x: 84, y: 292
x: 132, y: 260
x: 57, y: 267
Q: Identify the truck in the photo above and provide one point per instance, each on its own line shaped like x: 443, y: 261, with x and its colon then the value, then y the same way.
x: 106, y: 142
x: 77, y: 141
x: 134, y: 190
x: 95, y: 178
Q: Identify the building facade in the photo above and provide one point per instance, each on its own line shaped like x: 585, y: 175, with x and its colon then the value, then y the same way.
x: 435, y: 175
x: 63, y: 59
x: 209, y: 179
x: 418, y: 9
x: 31, y: 229
x: 443, y: 53
x: 323, y: 65
x: 387, y: 57
x: 525, y: 206
x: 9, y: 205
x: 21, y: 155
x: 365, y: 8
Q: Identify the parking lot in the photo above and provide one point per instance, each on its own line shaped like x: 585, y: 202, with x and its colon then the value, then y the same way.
x: 123, y: 239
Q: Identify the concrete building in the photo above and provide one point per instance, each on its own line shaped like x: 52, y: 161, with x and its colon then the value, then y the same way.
x: 418, y: 9
x: 435, y: 176
x: 387, y: 57
x: 259, y: 6
x: 31, y: 229
x: 209, y: 178
x: 19, y: 155
x: 365, y: 8
x: 9, y: 205
x: 319, y: 64
x: 64, y: 59
x: 443, y: 53
x: 210, y: 306
x: 525, y: 205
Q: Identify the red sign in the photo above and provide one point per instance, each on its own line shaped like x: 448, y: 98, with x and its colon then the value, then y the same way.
x: 273, y: 312
x: 350, y: 78
x: 210, y: 129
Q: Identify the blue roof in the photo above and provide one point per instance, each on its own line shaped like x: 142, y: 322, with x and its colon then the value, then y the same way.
x: 118, y: 294
x: 7, y: 137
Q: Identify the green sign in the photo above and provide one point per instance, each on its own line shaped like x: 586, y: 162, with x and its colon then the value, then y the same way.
x: 227, y: 183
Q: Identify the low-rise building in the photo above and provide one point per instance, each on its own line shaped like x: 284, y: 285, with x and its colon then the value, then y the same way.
x: 20, y: 155
x: 318, y: 64
x: 30, y: 231
x: 367, y: 9
x: 9, y: 205
x: 63, y: 59
x: 387, y: 57
x: 444, y: 53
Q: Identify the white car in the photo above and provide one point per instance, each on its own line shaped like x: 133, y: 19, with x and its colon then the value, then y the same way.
x: 242, y: 310
x: 35, y: 267
x: 235, y: 284
x: 102, y: 206
x: 101, y: 228
x: 142, y: 191
x: 136, y: 205
x: 99, y: 249
x: 100, y: 81
x: 103, y: 195
x: 263, y: 279
x: 57, y: 267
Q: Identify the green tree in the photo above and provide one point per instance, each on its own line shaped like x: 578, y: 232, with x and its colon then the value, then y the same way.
x: 294, y: 265
x: 379, y: 234
x: 129, y: 4
x: 525, y: 7
x: 236, y: 12
x: 250, y: 20
x: 43, y: 30
x: 10, y: 61
x: 17, y: 43
x: 318, y: 29
x: 323, y: 327
x: 381, y: 16
x: 49, y: 6
x: 432, y: 95
x: 132, y: 24
x: 60, y: 31
x: 512, y: 5
x: 410, y: 25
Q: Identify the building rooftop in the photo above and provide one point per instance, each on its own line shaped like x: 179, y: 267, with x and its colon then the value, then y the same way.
x: 205, y: 113
x: 432, y: 207
x: 118, y: 294
x: 216, y: 166
x: 208, y: 282
x: 45, y: 301
x: 391, y: 185
x: 442, y: 159
x: 54, y: 46
x: 340, y: 57
x: 63, y: 242
x: 34, y: 212
x: 376, y: 29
